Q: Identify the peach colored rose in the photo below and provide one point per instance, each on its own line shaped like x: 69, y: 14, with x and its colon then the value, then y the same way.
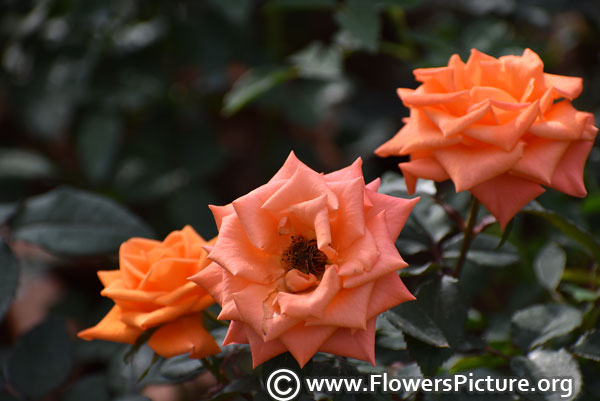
x: 306, y: 262
x: 151, y: 290
x: 497, y: 128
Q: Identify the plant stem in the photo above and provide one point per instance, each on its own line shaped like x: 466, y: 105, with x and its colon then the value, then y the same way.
x: 468, y: 236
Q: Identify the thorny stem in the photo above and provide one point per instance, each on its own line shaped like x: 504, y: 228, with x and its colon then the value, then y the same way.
x: 469, y: 234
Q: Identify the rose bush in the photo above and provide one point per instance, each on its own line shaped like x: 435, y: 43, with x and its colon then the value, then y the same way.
x: 497, y: 128
x: 151, y: 290
x: 306, y: 262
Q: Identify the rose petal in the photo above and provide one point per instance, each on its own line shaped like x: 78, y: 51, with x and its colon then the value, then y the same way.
x: 389, y: 258
x: 449, y: 125
x: 313, y: 303
x: 349, y: 173
x: 358, y: 257
x: 133, y: 261
x: 419, y: 99
x: 112, y: 328
x: 236, y: 334
x: 303, y: 342
x: 458, y: 68
x: 183, y: 335
x: 468, y: 166
x: 187, y: 290
x: 313, y: 215
x: 211, y: 280
x: 427, y: 168
x: 388, y: 291
x: 168, y: 273
x: 277, y: 325
x: 373, y: 185
x: 220, y: 212
x: 234, y: 252
x: 296, y: 281
x: 349, y: 223
x: 417, y: 134
x: 290, y: 166
x: 253, y: 306
x: 118, y: 293
x: 540, y: 158
x: 568, y: 175
x: 108, y: 276
x: 505, y: 195
x: 444, y: 76
x: 472, y: 70
x: 519, y: 69
x: 358, y: 344
x: 304, y: 185
x: 562, y: 122
x: 257, y: 222
x: 396, y: 209
x: 569, y: 87
x: 159, y: 316
x: 507, y: 135
x: 347, y: 309
x: 262, y: 351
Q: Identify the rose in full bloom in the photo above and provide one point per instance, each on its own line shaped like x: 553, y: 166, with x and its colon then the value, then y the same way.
x: 151, y: 290
x: 499, y: 128
x: 306, y: 262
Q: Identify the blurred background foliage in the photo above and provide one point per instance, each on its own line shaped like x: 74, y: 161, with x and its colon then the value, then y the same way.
x: 124, y: 118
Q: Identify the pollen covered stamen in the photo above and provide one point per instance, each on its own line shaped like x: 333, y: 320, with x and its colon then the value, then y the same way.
x: 304, y: 255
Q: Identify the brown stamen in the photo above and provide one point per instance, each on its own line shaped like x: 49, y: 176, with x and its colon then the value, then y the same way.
x: 304, y: 255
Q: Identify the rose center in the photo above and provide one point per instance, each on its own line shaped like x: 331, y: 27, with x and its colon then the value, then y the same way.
x: 304, y: 255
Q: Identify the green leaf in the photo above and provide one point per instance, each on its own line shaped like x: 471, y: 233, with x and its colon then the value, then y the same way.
x: 318, y: 62
x: 588, y: 346
x: 444, y: 301
x: 41, y: 360
x: 9, y: 277
x: 254, y: 84
x: 388, y: 335
x: 569, y: 228
x: 393, y: 184
x: 7, y: 210
x: 416, y: 270
x: 484, y: 251
x: 71, y: 222
x: 300, y: 4
x: 97, y: 145
x: 235, y: 10
x: 414, y: 321
x: 580, y: 294
x: 361, y: 19
x: 90, y: 388
x: 181, y: 368
x: 549, y: 265
x: 124, y: 376
x: 432, y: 218
x: 25, y: 164
x: 547, y: 364
x: 398, y: 3
x: 537, y: 324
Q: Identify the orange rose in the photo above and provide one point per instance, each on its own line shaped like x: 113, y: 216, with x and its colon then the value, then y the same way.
x: 151, y: 290
x: 497, y: 128
x: 306, y: 262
